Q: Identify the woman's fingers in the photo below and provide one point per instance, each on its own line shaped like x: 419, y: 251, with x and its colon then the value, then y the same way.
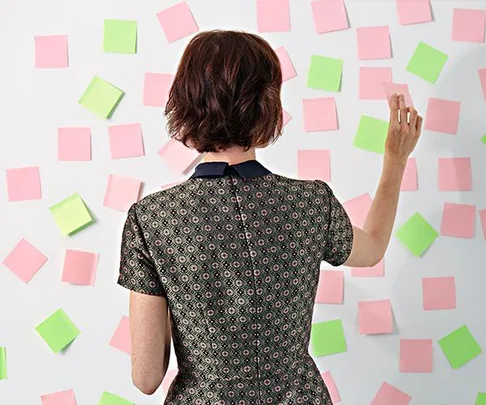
x: 403, y: 110
x: 394, y: 108
x: 413, y: 118
x: 419, y: 125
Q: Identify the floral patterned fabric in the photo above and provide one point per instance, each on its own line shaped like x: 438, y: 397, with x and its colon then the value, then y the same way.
x: 238, y: 262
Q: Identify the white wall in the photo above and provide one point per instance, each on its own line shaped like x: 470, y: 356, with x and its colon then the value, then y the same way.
x: 34, y: 103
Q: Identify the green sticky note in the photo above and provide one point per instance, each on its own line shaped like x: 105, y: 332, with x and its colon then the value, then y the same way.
x: 107, y: 398
x: 71, y: 214
x: 57, y: 330
x: 480, y: 398
x: 3, y: 363
x: 120, y: 36
x: 483, y: 139
x: 328, y: 338
x: 325, y: 73
x: 460, y: 347
x: 427, y: 62
x: 101, y: 98
x: 417, y: 234
x: 371, y: 134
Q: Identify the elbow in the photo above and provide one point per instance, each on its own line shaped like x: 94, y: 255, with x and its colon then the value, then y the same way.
x: 147, y: 386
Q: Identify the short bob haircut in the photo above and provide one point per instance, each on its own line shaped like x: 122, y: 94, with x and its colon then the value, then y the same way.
x: 226, y: 93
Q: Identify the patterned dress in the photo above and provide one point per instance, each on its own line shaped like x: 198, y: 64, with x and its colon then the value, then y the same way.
x: 236, y: 251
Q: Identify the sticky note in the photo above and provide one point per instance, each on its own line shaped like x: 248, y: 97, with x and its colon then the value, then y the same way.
x: 480, y: 398
x: 3, y: 363
x: 273, y: 15
x: 101, y: 98
x: 330, y: 287
x: 357, y: 209
x: 58, y: 330
x: 23, y: 183
x: 79, y: 267
x: 483, y: 139
x: 468, y: 25
x: 177, y: 22
x: 417, y: 234
x: 377, y: 270
x: 373, y: 43
x: 107, y: 398
x: 71, y: 214
x: 325, y: 73
x: 24, y: 260
x: 416, y: 355
x: 286, y: 117
x: 438, y: 293
x: 442, y: 115
x: 482, y: 79
x: 126, y: 141
x: 427, y: 62
x: 410, y: 180
x: 458, y: 220
x: 178, y: 157
x: 288, y: 69
x: 121, y: 192
x: 51, y: 51
x: 120, y: 36
x: 328, y: 338
x: 314, y: 164
x: 320, y: 114
x: 59, y: 398
x: 482, y: 218
x: 375, y: 317
x: 460, y: 347
x: 331, y: 387
x: 397, y: 88
x: 329, y: 15
x: 413, y: 11
x: 156, y: 89
x: 73, y: 144
x: 121, y: 338
x: 388, y: 394
x: 371, y: 82
x: 371, y: 134
x: 455, y: 174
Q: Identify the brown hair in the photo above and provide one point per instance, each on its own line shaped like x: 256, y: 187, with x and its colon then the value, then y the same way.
x: 226, y: 92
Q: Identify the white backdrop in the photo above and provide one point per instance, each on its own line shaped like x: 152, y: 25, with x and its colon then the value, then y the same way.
x: 35, y: 102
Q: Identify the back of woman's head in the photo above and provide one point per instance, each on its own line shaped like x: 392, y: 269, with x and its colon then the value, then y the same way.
x: 226, y: 93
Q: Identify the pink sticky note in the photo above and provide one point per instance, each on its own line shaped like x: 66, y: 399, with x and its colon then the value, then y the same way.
x: 357, y: 209
x: 273, y: 15
x: 375, y: 271
x: 178, y: 157
x: 286, y: 117
x: 409, y: 180
x: 397, y: 88
x: 468, y: 25
x: 51, y: 51
x: 73, y: 144
x: 59, y: 398
x: 167, y: 381
x: 331, y: 387
x: 330, y: 287
x: 442, y: 115
x: 413, y: 11
x: 438, y: 293
x: 314, y: 164
x: 482, y: 217
x: 126, y: 141
x: 370, y: 82
x: 177, y: 22
x: 24, y: 260
x: 388, y: 395
x: 23, y: 183
x: 121, y: 337
x: 373, y: 43
x: 482, y: 79
x: 416, y: 355
x: 79, y: 267
x: 121, y: 192
x: 455, y: 174
x: 288, y: 70
x: 329, y: 15
x: 156, y: 89
x: 458, y: 220
x: 320, y: 114
x: 375, y: 317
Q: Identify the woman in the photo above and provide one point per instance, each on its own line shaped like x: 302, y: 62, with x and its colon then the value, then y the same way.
x: 234, y: 251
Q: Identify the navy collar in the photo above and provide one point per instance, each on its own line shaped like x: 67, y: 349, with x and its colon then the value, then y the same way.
x: 246, y: 169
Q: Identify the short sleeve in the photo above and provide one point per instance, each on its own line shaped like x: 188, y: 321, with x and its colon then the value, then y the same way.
x: 137, y: 269
x: 339, y: 232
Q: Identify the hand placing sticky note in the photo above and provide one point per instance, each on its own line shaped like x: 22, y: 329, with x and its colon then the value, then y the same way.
x: 330, y: 287
x: 288, y: 70
x: 417, y: 234
x: 455, y: 174
x: 325, y: 73
x: 373, y: 43
x: 416, y: 355
x: 107, y: 398
x: 73, y: 144
x: 413, y: 11
x: 314, y: 164
x: 71, y: 214
x: 24, y: 260
x: 375, y: 317
x: 177, y: 22
x: 101, y: 98
x: 468, y: 25
x: 442, y: 115
x: 320, y: 114
x: 273, y: 15
x: 23, y: 183
x: 388, y: 394
x: 51, y: 51
x: 397, y: 88
x: 460, y: 347
x: 79, y: 267
x: 3, y: 363
x: 371, y: 134
x: 371, y: 82
x: 59, y: 398
x: 121, y: 338
x: 438, y: 293
x: 156, y: 89
x: 329, y: 15
x: 58, y: 331
x: 120, y: 36
x: 126, y: 141
x: 427, y: 62
x: 328, y: 338
x: 122, y: 192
